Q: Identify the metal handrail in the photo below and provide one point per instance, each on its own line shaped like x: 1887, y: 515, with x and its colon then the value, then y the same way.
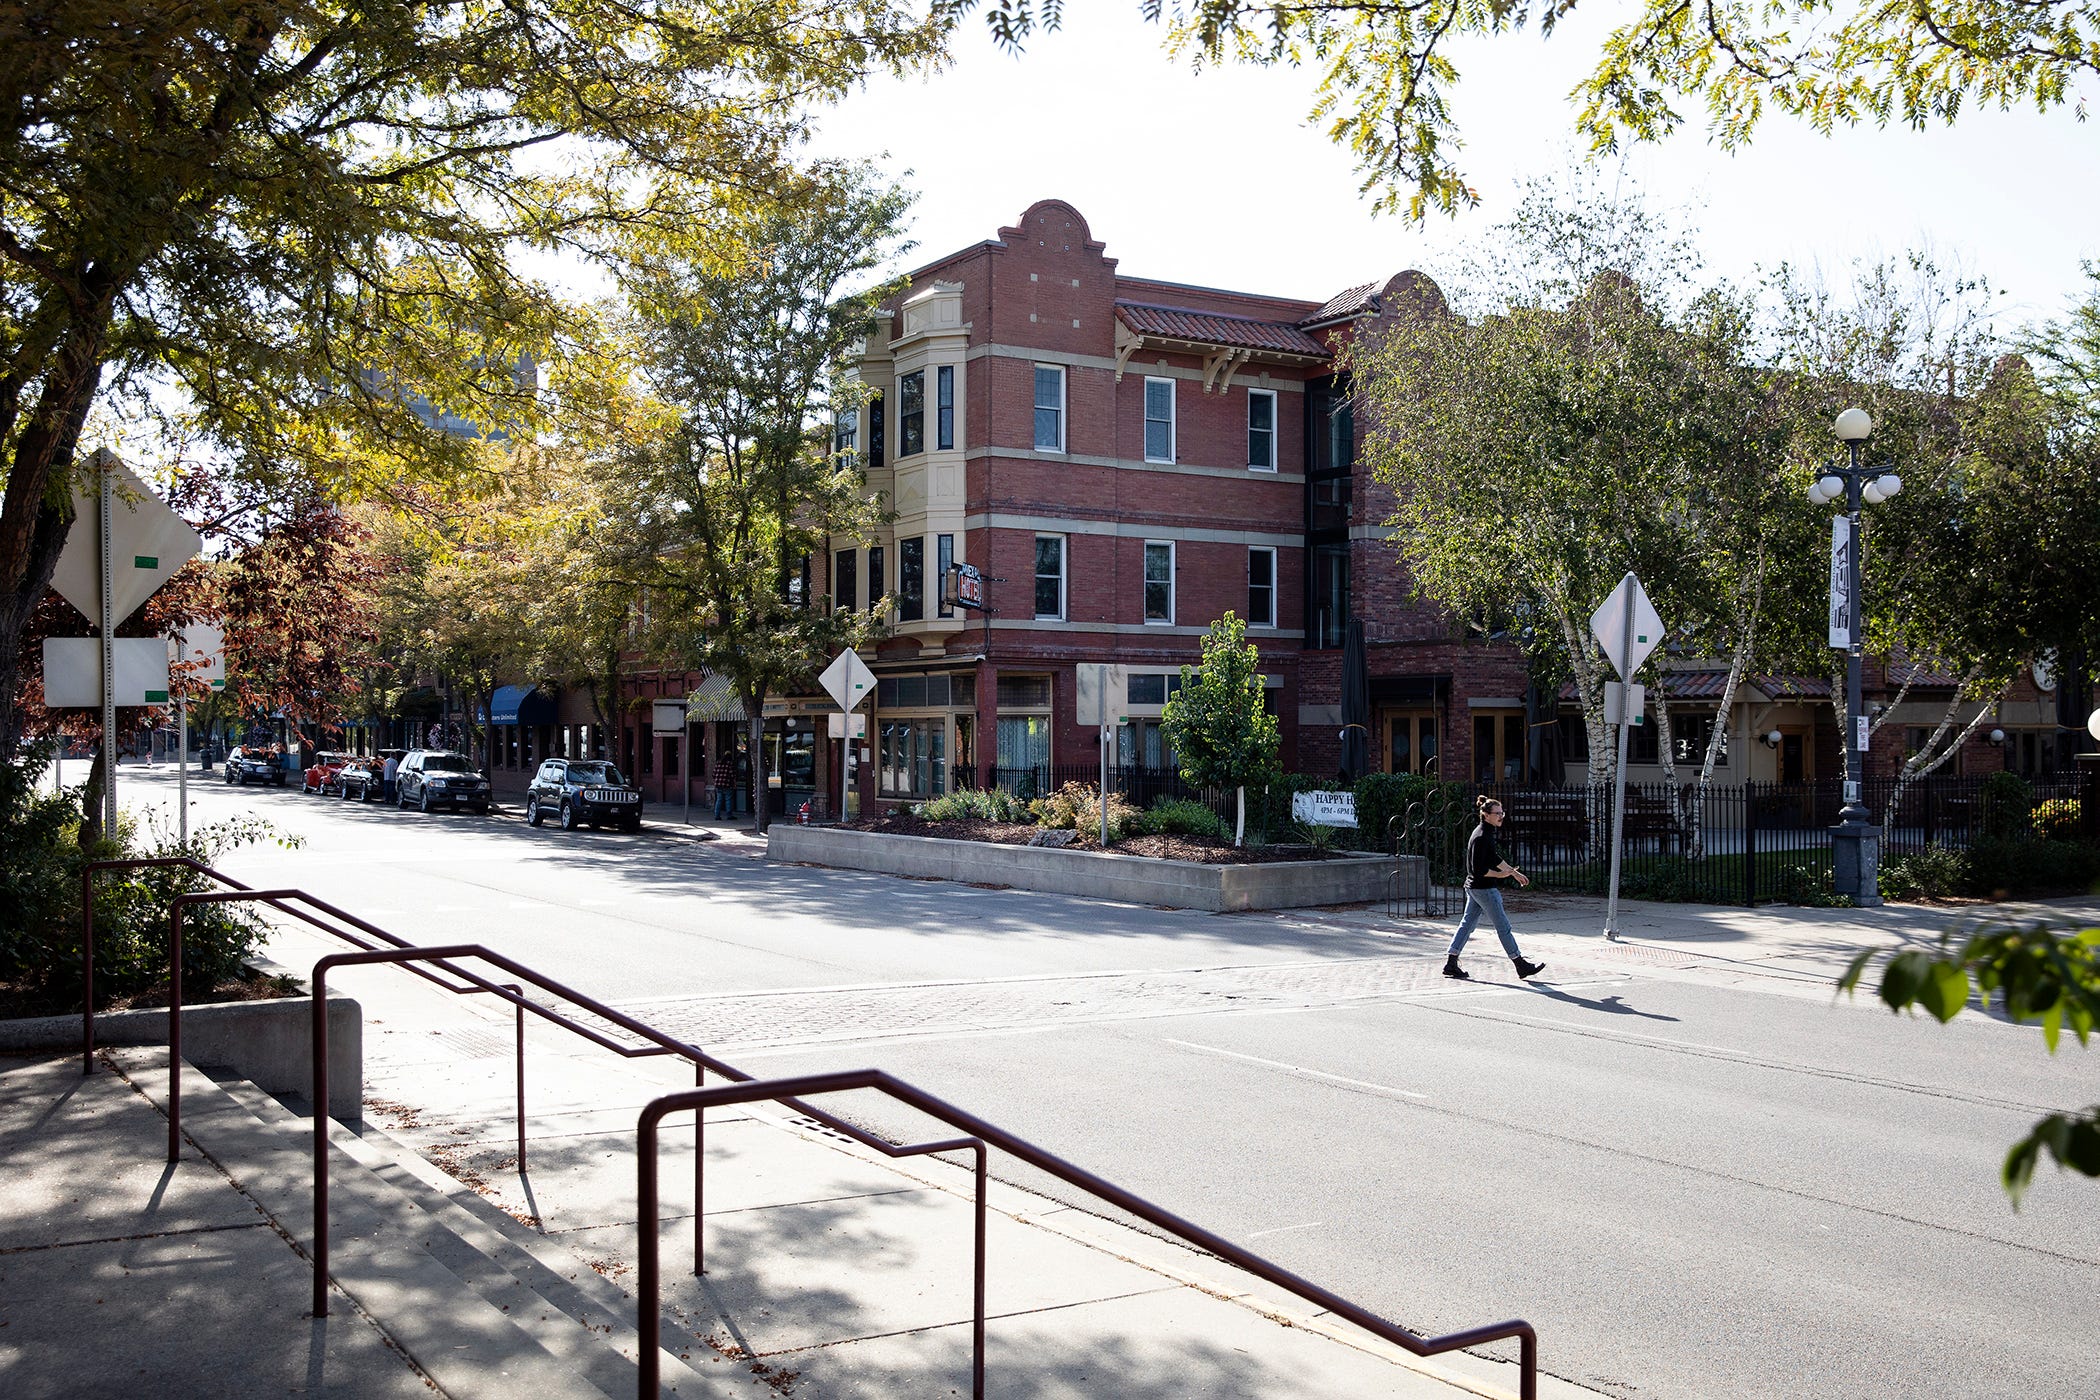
x: 745, y: 1088
x: 793, y: 1089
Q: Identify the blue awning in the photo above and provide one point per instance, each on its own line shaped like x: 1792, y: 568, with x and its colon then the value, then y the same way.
x: 521, y: 704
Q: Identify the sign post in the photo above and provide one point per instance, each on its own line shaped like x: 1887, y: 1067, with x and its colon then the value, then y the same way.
x: 1101, y: 690
x: 668, y: 717
x: 1627, y: 627
x: 849, y: 681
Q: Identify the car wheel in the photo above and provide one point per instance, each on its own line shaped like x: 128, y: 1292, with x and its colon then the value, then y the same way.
x: 481, y: 809
x: 532, y: 811
x: 423, y: 799
x: 401, y: 798
x: 632, y: 824
x: 568, y: 816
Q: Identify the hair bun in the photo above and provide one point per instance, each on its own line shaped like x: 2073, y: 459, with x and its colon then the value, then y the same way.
x: 1483, y: 802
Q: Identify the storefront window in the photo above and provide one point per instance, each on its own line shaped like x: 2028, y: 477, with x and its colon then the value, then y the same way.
x: 912, y: 758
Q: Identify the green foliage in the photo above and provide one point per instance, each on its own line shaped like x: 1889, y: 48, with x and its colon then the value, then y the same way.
x: 2020, y: 866
x: 2006, y: 806
x: 976, y: 804
x: 1385, y: 72
x: 1077, y: 807
x: 2059, y: 819
x: 2043, y: 978
x: 1937, y: 872
x: 40, y: 866
x: 1216, y: 722
x: 1178, y: 816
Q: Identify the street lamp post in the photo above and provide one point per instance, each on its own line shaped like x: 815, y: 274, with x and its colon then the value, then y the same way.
x: 1855, y: 842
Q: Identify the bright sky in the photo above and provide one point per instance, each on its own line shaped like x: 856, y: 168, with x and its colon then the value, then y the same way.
x: 1217, y: 179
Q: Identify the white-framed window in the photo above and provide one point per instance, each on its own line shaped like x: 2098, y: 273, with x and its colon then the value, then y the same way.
x: 1159, y: 581
x: 1261, y: 430
x: 1050, y: 576
x: 1261, y: 586
x: 911, y: 414
x: 1159, y: 420
x: 1050, y: 408
x: 944, y: 407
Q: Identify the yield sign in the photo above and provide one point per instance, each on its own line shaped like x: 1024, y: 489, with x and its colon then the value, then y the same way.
x: 147, y: 544
x: 848, y: 680
x: 1626, y: 626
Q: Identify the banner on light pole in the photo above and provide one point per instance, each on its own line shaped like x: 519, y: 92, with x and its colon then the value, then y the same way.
x: 1844, y: 617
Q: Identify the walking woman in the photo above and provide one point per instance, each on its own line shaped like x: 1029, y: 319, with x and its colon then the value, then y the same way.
x: 1485, y: 872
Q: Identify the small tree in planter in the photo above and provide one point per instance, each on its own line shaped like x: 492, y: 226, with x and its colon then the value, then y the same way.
x: 1216, y: 722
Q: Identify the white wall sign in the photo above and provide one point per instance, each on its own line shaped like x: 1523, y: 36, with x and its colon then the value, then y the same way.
x: 1101, y: 691
x: 1324, y: 808
x: 667, y: 717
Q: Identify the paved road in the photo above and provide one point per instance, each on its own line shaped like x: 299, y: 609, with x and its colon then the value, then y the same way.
x: 1698, y: 1176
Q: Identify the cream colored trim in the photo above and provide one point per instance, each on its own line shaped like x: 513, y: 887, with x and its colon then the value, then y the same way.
x: 1020, y: 352
x: 1063, y: 525
x: 1149, y: 629
x: 1029, y: 454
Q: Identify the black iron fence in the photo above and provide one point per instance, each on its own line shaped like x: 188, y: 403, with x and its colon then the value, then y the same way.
x: 1741, y: 843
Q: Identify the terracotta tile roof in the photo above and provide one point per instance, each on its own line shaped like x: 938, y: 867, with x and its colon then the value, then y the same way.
x: 1346, y: 303
x: 1921, y: 673
x: 1209, y: 328
x: 1706, y: 685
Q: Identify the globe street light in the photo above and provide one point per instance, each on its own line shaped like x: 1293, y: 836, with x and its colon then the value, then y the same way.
x: 1855, y: 842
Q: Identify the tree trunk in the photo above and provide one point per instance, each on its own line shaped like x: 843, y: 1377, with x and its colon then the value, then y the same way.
x: 1938, y: 749
x: 1239, y: 830
x: 91, y: 800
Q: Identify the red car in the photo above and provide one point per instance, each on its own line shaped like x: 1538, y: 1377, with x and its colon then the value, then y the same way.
x: 321, y: 776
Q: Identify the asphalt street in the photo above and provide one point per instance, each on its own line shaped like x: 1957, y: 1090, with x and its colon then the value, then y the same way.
x: 1693, y: 1184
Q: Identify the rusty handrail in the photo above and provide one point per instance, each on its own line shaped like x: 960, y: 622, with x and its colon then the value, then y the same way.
x: 745, y: 1088
x: 793, y: 1089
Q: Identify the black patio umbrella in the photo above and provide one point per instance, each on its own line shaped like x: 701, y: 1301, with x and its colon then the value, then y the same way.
x: 1356, y: 704
x: 1547, y: 762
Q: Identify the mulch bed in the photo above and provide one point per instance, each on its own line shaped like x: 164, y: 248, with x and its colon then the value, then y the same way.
x: 1203, y: 850
x: 19, y: 1001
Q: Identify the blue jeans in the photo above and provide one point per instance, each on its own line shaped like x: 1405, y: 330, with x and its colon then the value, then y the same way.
x: 725, y: 802
x: 1489, y: 902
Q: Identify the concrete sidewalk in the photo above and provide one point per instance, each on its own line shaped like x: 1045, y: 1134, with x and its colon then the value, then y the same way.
x: 833, y: 1271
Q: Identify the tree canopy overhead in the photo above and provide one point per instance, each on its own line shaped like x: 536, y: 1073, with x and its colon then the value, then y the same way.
x: 1385, y: 72
x: 295, y: 218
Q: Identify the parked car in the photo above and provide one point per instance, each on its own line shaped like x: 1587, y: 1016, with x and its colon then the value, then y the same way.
x: 432, y: 778
x: 252, y: 763
x: 360, y: 778
x: 579, y: 791
x: 320, y: 775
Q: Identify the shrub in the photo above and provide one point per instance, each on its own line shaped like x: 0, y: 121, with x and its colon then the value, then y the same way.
x: 40, y: 863
x: 1077, y: 806
x: 2007, y: 802
x: 1933, y: 873
x: 2002, y: 868
x: 975, y: 804
x: 1179, y: 816
x: 2059, y: 819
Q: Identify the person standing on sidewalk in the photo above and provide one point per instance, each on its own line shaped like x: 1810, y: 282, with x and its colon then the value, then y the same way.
x: 725, y: 786
x: 1485, y: 870
x: 386, y: 776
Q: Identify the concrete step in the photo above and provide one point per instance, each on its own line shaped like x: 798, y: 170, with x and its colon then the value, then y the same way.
x: 460, y: 1295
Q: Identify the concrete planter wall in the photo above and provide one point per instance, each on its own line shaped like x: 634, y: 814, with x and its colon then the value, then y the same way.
x: 1134, y: 879
x: 268, y: 1043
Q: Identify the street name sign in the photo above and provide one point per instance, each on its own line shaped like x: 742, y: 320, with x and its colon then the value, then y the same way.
x: 73, y: 671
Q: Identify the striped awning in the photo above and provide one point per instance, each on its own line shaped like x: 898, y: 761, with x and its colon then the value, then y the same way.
x: 714, y: 699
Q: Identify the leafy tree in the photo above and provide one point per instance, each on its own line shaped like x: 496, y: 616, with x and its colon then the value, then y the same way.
x: 1217, y: 723
x: 718, y: 484
x: 1593, y: 412
x: 2045, y: 978
x: 293, y: 219
x: 1385, y: 68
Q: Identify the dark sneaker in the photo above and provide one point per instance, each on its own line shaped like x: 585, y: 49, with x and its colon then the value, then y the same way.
x: 1529, y: 969
x: 1452, y: 969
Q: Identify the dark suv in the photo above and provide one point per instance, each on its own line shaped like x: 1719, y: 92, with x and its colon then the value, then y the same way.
x: 580, y: 790
x: 255, y: 764
x: 432, y: 778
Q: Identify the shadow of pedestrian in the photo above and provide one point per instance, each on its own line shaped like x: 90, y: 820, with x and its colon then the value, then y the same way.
x: 1611, y: 1004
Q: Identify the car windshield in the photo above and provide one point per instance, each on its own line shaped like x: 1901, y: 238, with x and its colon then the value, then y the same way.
x: 445, y: 763
x: 596, y: 773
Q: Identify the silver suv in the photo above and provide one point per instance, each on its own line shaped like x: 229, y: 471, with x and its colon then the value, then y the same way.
x: 432, y: 778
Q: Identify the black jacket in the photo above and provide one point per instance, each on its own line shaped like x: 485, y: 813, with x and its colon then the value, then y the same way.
x: 1481, y: 857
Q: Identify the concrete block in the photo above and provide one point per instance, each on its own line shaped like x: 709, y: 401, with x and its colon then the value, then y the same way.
x: 268, y: 1043
x: 1096, y: 874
